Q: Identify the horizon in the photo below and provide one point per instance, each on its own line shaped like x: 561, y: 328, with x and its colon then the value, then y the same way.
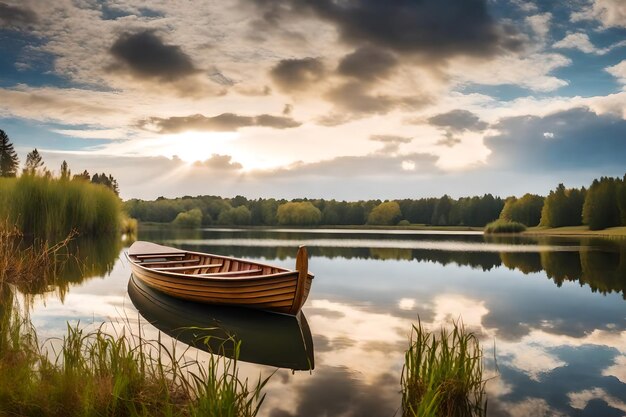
x: 319, y: 99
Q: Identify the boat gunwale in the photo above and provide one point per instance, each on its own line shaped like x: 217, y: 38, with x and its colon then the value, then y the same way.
x: 284, y: 272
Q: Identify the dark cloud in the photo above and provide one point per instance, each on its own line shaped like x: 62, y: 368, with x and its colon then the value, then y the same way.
x: 367, y: 63
x: 219, y: 163
x: 573, y: 139
x: 145, y: 55
x: 390, y: 139
x: 449, y: 140
x: 288, y: 109
x: 297, y: 74
x: 357, y: 98
x: 14, y: 17
x: 391, y: 143
x: 437, y: 29
x: 458, y: 121
x: 224, y: 122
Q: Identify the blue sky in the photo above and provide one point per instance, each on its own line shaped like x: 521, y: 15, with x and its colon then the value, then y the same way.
x: 302, y: 98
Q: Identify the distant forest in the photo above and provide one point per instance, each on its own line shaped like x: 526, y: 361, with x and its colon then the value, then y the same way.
x: 601, y: 205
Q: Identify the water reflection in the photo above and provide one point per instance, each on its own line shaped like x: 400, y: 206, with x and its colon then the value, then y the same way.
x: 557, y: 317
x: 266, y: 338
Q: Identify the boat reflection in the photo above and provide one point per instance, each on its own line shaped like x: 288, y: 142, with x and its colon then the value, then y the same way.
x: 266, y: 338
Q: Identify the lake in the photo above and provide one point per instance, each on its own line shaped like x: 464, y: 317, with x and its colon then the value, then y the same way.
x: 554, y: 308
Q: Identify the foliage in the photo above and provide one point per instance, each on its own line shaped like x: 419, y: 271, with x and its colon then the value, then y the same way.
x: 387, y: 213
x: 443, y: 374
x: 66, y: 173
x: 52, y: 208
x: 189, y: 219
x: 601, y: 208
x: 298, y: 213
x: 238, y: 216
x: 563, y: 207
x: 100, y: 373
x: 107, y: 181
x: 34, y: 163
x: 9, y: 161
x: 504, y: 226
x: 525, y: 210
x: 441, y: 211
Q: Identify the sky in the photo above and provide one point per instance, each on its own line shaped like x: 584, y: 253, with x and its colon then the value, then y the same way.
x: 344, y: 99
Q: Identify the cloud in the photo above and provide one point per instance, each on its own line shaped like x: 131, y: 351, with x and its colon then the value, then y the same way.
x: 391, y: 145
x: 581, y: 42
x: 371, y: 165
x: 219, y: 163
x: 358, y: 99
x: 14, y: 17
x: 580, y: 139
x: 458, y: 121
x: 225, y: 122
x: 50, y: 104
x: 618, y: 71
x: 367, y: 63
x: 297, y: 74
x: 145, y: 55
x: 429, y: 27
x: 610, y: 13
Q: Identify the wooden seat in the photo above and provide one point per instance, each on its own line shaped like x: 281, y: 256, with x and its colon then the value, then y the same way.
x: 230, y: 273
x: 187, y: 261
x: 161, y: 255
x: 186, y: 268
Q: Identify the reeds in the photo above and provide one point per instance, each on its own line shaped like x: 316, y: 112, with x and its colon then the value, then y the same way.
x: 96, y: 373
x: 443, y: 374
x: 504, y: 226
x: 31, y: 266
x: 51, y: 208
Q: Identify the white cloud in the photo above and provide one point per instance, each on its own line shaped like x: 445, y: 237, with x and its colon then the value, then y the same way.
x: 618, y: 71
x: 540, y: 24
x: 580, y: 399
x: 610, y: 13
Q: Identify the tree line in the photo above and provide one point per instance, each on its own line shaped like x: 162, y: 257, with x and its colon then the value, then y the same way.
x: 35, y: 166
x: 602, y: 205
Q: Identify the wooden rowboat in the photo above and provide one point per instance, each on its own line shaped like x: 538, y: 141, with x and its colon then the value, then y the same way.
x: 216, y: 279
x: 255, y: 336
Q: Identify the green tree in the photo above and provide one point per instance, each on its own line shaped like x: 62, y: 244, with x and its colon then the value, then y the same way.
x: 441, y: 212
x: 298, y: 213
x: 525, y: 210
x: 106, y: 180
x: 189, y: 219
x: 601, y: 209
x: 66, y: 173
x: 34, y: 163
x: 237, y: 216
x: 387, y: 213
x: 9, y: 161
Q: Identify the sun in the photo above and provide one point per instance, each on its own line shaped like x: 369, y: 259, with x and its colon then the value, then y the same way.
x: 192, y: 146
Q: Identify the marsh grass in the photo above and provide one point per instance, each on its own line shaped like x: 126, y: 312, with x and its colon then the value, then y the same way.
x: 31, y: 265
x: 99, y: 373
x: 51, y: 208
x: 504, y: 226
x: 443, y: 374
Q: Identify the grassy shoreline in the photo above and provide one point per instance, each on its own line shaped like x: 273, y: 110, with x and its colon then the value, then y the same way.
x: 531, y: 231
x: 575, y: 231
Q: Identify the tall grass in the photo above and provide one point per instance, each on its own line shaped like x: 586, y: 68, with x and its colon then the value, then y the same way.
x: 95, y: 373
x: 52, y: 208
x: 31, y: 266
x: 504, y: 226
x: 443, y: 374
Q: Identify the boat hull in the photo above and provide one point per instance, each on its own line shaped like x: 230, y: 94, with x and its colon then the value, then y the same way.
x: 266, y: 338
x: 224, y: 281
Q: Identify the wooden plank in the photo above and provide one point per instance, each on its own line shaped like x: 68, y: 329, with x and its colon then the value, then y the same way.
x: 164, y: 255
x: 230, y: 273
x: 186, y: 261
x: 186, y: 268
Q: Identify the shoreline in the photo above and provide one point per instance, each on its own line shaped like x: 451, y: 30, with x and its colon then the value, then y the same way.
x: 574, y: 231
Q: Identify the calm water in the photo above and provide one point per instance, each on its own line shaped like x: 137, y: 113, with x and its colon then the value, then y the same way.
x: 555, y: 309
